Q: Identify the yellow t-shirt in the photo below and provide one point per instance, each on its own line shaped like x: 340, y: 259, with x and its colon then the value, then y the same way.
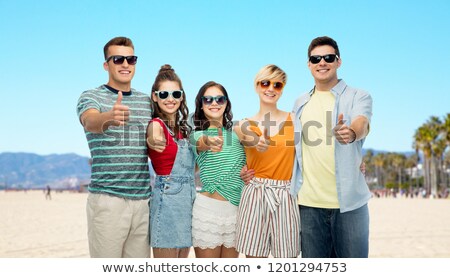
x: 319, y: 178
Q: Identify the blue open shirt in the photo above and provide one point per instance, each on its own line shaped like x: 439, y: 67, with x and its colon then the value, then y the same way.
x: 352, y: 188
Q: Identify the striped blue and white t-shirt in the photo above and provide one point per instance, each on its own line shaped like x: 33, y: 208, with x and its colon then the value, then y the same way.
x: 119, y: 155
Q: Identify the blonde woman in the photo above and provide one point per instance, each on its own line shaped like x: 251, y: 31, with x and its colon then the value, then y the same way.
x: 268, y: 216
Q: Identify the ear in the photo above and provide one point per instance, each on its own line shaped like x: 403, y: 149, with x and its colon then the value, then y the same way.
x: 339, y: 62
x: 154, y: 97
x: 105, y: 66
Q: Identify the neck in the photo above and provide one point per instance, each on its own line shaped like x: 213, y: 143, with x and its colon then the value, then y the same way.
x: 326, y: 85
x: 265, y: 108
x: 124, y: 87
x: 267, y: 113
x: 171, y: 118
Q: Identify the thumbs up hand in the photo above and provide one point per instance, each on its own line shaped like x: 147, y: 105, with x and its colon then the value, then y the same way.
x: 264, y: 141
x: 343, y: 133
x: 157, y: 141
x: 215, y: 143
x: 120, y: 113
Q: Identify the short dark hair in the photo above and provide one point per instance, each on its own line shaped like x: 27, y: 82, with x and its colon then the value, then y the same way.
x: 117, y: 41
x: 319, y: 41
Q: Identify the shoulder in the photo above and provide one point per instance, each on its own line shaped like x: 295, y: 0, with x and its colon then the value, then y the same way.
x: 93, y: 93
x: 356, y: 96
x: 139, y: 95
x: 244, y: 123
x: 157, y: 121
x: 349, y: 91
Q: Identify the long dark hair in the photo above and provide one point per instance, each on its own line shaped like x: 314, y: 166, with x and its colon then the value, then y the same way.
x: 200, y: 120
x: 167, y: 73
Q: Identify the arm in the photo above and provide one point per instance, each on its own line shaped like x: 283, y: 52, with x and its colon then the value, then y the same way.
x: 250, y: 138
x: 156, y: 140
x: 97, y: 122
x: 210, y: 143
x: 361, y: 127
x: 357, y: 130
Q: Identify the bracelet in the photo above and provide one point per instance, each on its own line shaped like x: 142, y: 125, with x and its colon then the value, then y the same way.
x: 354, y: 135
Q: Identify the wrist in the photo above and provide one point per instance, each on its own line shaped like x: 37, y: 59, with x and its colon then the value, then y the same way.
x: 354, y: 135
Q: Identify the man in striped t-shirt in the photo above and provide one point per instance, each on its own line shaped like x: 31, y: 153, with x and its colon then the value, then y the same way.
x: 115, y: 117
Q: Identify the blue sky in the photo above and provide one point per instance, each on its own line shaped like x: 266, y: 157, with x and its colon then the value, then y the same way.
x: 396, y: 50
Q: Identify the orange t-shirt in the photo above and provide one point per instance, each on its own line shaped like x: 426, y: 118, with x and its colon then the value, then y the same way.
x: 276, y: 163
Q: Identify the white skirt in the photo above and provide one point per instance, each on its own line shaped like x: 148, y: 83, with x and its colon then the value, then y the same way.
x: 213, y: 223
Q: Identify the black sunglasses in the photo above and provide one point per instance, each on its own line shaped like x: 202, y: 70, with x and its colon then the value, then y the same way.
x: 277, y: 85
x: 329, y: 58
x: 119, y: 59
x: 165, y: 94
x: 208, y: 100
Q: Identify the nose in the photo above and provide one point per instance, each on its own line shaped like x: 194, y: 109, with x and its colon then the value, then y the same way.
x: 322, y: 61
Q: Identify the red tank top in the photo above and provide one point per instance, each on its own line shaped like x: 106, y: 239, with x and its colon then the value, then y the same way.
x: 163, y: 162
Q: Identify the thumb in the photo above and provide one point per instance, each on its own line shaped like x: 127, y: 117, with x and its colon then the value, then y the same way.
x: 119, y: 97
x: 340, y: 119
x: 266, y: 134
x: 219, y: 132
x: 161, y: 131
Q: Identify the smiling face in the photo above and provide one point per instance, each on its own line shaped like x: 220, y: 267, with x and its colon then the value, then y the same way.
x: 120, y: 76
x: 269, y: 93
x: 214, y: 111
x: 325, y: 74
x: 169, y: 105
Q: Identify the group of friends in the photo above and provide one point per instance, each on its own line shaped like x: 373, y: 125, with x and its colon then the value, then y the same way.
x: 277, y: 183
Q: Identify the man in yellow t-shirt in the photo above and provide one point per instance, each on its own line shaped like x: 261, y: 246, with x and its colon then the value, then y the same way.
x: 333, y: 120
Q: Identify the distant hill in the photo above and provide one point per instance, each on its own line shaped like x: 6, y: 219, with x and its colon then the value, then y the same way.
x: 28, y: 170
x: 378, y: 151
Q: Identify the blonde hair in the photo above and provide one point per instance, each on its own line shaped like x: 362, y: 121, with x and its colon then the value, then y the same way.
x: 270, y: 72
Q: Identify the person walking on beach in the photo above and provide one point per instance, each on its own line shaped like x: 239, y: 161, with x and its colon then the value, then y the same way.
x: 332, y: 191
x: 173, y: 161
x: 268, y: 217
x: 114, y: 117
x: 48, y: 193
x: 220, y: 157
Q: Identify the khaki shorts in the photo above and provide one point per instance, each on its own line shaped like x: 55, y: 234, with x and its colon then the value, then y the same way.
x: 117, y: 227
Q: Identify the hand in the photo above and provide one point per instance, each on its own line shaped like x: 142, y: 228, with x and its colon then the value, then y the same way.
x: 158, y: 142
x: 247, y: 175
x: 264, y: 142
x: 215, y: 143
x: 342, y: 132
x: 120, y: 113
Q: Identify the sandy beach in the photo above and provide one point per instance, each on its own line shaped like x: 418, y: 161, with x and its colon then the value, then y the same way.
x: 33, y: 227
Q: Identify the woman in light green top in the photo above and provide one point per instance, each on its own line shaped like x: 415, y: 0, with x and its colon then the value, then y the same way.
x: 220, y: 157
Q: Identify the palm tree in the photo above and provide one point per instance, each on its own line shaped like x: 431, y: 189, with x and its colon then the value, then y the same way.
x: 411, y: 164
x: 379, y: 162
x: 425, y: 140
x: 398, y: 161
x: 370, y: 167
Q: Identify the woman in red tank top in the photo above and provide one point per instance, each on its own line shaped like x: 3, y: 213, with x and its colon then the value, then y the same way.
x: 173, y: 161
